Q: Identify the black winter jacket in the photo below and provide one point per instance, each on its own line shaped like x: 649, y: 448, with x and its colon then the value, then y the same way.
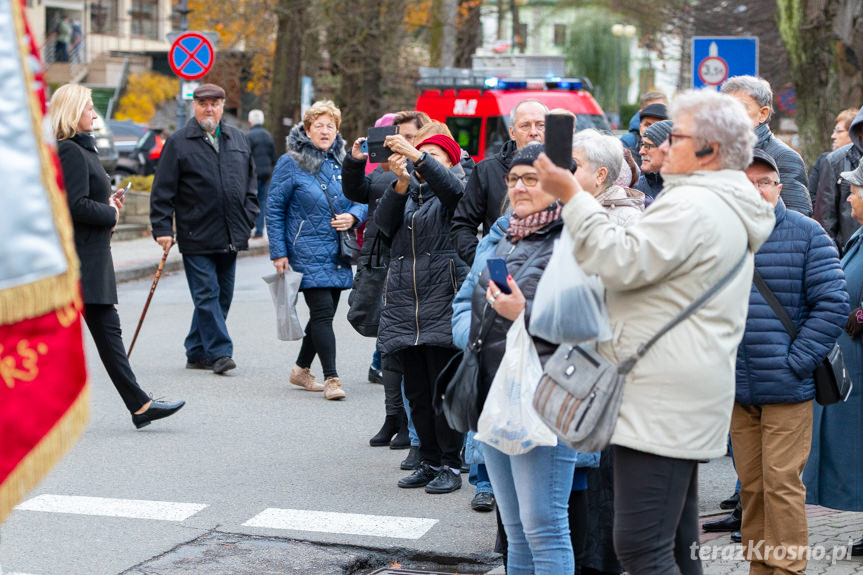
x: 263, y: 151
x: 214, y: 195
x: 792, y: 172
x: 484, y: 197
x: 424, y: 272
x: 87, y: 191
x: 494, y: 343
x: 367, y: 189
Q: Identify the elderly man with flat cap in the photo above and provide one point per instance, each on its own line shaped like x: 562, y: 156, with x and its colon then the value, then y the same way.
x: 206, y: 180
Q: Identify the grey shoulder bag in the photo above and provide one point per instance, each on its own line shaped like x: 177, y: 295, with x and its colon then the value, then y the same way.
x: 579, y: 394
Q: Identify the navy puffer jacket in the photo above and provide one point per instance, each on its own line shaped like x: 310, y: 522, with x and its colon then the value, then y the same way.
x: 800, y: 263
x: 424, y: 273
x: 299, y: 215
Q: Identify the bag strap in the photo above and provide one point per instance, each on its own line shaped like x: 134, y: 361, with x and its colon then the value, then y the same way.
x: 326, y: 194
x: 774, y: 304
x: 626, y: 365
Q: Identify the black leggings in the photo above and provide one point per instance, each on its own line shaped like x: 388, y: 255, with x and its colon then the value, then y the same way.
x: 655, y: 513
x: 320, y: 339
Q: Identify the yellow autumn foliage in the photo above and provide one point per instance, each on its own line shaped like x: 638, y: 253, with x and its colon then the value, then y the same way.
x: 144, y: 93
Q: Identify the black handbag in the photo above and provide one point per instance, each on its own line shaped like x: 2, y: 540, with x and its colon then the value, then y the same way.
x: 366, y: 298
x: 832, y: 383
x: 349, y: 246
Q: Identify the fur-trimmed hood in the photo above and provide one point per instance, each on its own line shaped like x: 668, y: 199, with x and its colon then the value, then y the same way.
x: 308, y: 156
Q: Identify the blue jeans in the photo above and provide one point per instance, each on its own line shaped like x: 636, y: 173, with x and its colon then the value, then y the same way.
x: 412, y: 432
x: 376, y: 360
x: 532, y: 492
x: 211, y: 283
x: 478, y: 476
x: 263, y: 185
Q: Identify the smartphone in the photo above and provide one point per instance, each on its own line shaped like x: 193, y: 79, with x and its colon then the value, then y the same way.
x: 497, y: 273
x: 122, y: 191
x: 375, y: 143
x: 364, y: 147
x: 558, y: 139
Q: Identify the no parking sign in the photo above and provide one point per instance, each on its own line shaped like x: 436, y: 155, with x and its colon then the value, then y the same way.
x: 191, y: 56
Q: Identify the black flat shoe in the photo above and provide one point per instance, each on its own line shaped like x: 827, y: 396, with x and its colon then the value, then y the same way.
x: 223, y: 364
x: 157, y: 410
x: 388, y: 430
x: 730, y: 522
x: 730, y: 503
x: 736, y: 537
x: 857, y: 548
x: 412, y: 461
x: 199, y: 364
x: 483, y: 502
x: 376, y: 375
x: 446, y: 481
x: 422, y: 476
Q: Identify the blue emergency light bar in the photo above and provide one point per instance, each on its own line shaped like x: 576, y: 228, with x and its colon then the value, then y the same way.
x: 495, y: 83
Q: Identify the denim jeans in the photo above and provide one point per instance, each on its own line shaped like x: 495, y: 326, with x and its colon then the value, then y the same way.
x: 532, y: 492
x: 211, y: 283
x: 478, y: 477
x: 263, y: 185
x: 412, y: 432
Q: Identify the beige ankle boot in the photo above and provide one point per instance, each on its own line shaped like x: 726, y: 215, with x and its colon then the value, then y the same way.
x: 333, y: 388
x: 302, y: 376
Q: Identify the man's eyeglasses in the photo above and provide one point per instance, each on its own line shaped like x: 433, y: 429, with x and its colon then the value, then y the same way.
x: 766, y: 184
x: 672, y: 136
x: 647, y: 147
x: 530, y: 180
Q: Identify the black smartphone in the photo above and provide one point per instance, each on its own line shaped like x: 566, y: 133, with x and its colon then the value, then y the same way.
x: 497, y: 273
x: 375, y: 143
x: 558, y: 139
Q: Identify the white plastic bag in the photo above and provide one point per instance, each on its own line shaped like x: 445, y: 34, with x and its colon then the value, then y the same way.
x: 285, y: 289
x: 508, y: 421
x: 568, y: 306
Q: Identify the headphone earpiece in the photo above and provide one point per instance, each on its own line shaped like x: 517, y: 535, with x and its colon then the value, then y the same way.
x: 704, y: 152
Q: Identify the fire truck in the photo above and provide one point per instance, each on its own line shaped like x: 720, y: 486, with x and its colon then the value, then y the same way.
x: 476, y: 107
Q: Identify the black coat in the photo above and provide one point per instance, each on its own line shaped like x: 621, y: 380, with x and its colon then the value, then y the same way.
x: 484, y: 197
x: 263, y: 151
x: 213, y: 195
x: 424, y: 272
x: 87, y: 191
x: 832, y: 209
x: 367, y: 189
x: 515, y: 255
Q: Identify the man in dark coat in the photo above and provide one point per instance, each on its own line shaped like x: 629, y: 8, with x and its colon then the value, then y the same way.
x: 756, y: 95
x: 486, y: 191
x: 771, y: 425
x: 206, y: 178
x: 652, y: 156
x: 832, y: 208
x: 264, y: 153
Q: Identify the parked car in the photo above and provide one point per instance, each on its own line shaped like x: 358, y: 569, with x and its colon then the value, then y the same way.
x: 126, y: 135
x: 105, y: 144
x: 143, y: 156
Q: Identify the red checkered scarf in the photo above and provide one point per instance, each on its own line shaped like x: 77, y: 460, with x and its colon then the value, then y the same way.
x: 522, y: 227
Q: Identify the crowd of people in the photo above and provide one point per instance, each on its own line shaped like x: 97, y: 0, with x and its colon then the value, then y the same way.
x: 699, y: 198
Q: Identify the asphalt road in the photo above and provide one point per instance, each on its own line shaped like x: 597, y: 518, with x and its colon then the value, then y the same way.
x: 246, y: 442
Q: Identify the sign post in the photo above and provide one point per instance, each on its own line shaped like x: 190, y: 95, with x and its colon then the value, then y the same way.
x: 191, y: 57
x: 715, y: 59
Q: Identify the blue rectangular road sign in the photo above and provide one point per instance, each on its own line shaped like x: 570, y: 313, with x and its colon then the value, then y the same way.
x: 715, y: 59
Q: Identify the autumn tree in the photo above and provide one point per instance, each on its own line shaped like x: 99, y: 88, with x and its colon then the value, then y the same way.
x: 286, y: 75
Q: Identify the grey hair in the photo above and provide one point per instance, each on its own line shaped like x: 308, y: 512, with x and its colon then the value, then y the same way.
x: 859, y: 190
x: 256, y: 117
x: 718, y: 118
x: 514, y: 111
x: 758, y: 89
x: 600, y: 151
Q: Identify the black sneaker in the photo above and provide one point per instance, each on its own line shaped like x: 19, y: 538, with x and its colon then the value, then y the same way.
x: 421, y: 477
x: 412, y: 461
x: 223, y: 364
x: 198, y: 364
x: 483, y: 502
x: 376, y: 375
x: 447, y: 481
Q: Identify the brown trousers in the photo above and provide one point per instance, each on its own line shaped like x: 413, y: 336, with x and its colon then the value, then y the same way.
x: 771, y: 445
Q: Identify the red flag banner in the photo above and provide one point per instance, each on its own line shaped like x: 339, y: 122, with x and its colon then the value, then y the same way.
x: 43, y: 382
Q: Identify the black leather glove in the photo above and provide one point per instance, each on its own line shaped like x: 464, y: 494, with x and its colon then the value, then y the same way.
x: 854, y: 327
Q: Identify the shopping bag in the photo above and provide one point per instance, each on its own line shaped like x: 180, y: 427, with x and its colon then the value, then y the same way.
x: 285, y: 289
x: 568, y: 306
x: 508, y: 421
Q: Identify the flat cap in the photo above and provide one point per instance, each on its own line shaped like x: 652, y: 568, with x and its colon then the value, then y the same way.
x: 854, y: 176
x: 762, y: 157
x: 208, y: 91
x: 654, y: 111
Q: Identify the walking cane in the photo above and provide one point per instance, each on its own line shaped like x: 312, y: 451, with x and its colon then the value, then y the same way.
x: 147, y: 305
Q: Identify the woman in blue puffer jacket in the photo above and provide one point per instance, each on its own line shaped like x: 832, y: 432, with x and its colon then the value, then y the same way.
x: 303, y: 234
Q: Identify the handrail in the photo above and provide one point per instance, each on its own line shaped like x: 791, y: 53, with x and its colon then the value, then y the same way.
x: 124, y: 72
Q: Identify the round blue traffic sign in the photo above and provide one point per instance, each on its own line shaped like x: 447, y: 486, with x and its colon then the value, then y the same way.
x: 191, y: 56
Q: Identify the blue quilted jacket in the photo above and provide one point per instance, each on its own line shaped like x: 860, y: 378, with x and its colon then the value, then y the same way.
x: 801, y: 265
x: 298, y: 213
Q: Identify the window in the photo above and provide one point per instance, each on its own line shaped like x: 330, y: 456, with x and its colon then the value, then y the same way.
x: 560, y: 34
x: 595, y: 121
x: 145, y: 19
x: 522, y: 36
x: 465, y: 131
x: 103, y: 17
x: 496, y: 134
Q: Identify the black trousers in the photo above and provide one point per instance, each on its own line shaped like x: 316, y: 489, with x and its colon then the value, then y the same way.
x: 104, y: 325
x: 655, y: 513
x: 439, y: 445
x: 320, y: 339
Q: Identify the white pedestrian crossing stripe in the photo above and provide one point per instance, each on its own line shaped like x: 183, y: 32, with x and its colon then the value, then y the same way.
x: 342, y: 523
x: 106, y: 507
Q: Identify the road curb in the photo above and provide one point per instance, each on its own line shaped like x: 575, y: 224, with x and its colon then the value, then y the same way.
x: 133, y: 273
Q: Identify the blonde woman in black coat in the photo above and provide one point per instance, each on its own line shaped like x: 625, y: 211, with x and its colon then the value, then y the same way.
x: 95, y: 212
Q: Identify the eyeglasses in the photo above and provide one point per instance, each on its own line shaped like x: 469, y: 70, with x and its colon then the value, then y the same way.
x: 530, y: 180
x: 762, y: 184
x: 672, y: 136
x: 839, y: 131
x: 647, y: 147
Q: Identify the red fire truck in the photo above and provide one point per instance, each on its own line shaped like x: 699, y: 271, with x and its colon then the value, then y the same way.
x: 476, y: 110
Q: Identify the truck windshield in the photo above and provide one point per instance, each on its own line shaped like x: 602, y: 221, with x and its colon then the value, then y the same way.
x: 466, y: 132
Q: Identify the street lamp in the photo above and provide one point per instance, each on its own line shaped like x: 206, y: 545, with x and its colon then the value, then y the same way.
x: 625, y: 31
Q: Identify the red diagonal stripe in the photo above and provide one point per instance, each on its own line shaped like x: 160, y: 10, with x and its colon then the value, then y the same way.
x: 192, y: 55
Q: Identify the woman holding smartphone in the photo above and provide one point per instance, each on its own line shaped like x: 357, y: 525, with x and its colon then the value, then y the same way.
x: 95, y: 212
